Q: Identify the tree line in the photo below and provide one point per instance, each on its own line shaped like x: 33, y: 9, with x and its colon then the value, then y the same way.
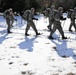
x: 39, y: 5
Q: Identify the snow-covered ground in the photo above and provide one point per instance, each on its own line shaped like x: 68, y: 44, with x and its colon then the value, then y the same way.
x: 21, y: 55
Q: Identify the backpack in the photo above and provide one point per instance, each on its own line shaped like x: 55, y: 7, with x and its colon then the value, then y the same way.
x: 52, y: 15
x: 6, y: 13
x: 70, y: 12
x: 46, y: 12
x: 26, y: 14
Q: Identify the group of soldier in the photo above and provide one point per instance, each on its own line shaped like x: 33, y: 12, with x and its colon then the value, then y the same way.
x: 9, y: 16
x: 54, y: 15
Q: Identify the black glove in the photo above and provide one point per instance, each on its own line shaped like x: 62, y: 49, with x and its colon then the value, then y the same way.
x: 36, y: 19
x: 62, y: 18
x: 15, y: 19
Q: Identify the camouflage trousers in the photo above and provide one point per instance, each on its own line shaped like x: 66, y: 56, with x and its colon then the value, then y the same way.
x: 57, y: 25
x: 50, y: 25
x: 31, y: 24
x: 51, y: 22
x: 8, y: 25
x: 72, y: 24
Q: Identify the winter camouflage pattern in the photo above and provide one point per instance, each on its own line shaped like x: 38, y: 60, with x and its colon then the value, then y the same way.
x: 9, y: 16
x: 57, y: 24
x: 30, y: 22
x: 51, y: 16
x: 72, y: 18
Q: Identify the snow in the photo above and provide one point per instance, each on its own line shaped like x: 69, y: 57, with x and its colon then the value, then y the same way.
x: 31, y: 55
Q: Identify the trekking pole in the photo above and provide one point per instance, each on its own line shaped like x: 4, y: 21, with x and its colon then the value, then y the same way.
x: 16, y: 24
x: 64, y: 23
x: 36, y: 22
x: 5, y: 26
x: 45, y: 19
x: 21, y: 19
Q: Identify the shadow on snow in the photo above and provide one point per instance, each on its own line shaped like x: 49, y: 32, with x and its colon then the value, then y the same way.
x: 63, y: 50
x: 27, y: 44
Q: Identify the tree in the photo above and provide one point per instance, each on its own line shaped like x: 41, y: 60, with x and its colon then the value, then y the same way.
x: 20, y: 5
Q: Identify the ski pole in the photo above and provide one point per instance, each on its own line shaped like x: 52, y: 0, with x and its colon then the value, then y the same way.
x: 16, y: 24
x: 64, y: 23
x: 36, y: 22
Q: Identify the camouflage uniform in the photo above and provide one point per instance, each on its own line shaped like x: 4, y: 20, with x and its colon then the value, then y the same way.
x: 72, y: 18
x: 9, y: 19
x: 51, y: 21
x: 30, y: 22
x: 57, y: 24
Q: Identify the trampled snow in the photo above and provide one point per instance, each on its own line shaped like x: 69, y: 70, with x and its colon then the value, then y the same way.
x: 31, y: 55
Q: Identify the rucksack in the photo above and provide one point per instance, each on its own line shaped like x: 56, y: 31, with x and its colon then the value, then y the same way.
x: 70, y: 12
x: 26, y: 14
x: 6, y: 13
x: 52, y: 15
x: 46, y: 12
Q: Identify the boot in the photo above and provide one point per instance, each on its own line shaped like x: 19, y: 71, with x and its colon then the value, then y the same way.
x: 9, y: 32
x: 38, y: 34
x: 64, y: 37
x: 50, y: 37
x: 26, y: 34
x: 70, y: 30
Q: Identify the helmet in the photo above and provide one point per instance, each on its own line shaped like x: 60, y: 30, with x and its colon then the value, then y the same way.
x: 60, y: 8
x: 70, y: 9
x: 10, y: 9
x: 75, y: 8
x: 32, y: 9
x: 52, y: 6
x: 48, y: 9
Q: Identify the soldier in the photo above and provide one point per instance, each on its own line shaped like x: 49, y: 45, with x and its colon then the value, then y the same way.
x: 8, y: 15
x: 72, y: 18
x: 57, y: 23
x: 30, y: 22
x: 51, y: 21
